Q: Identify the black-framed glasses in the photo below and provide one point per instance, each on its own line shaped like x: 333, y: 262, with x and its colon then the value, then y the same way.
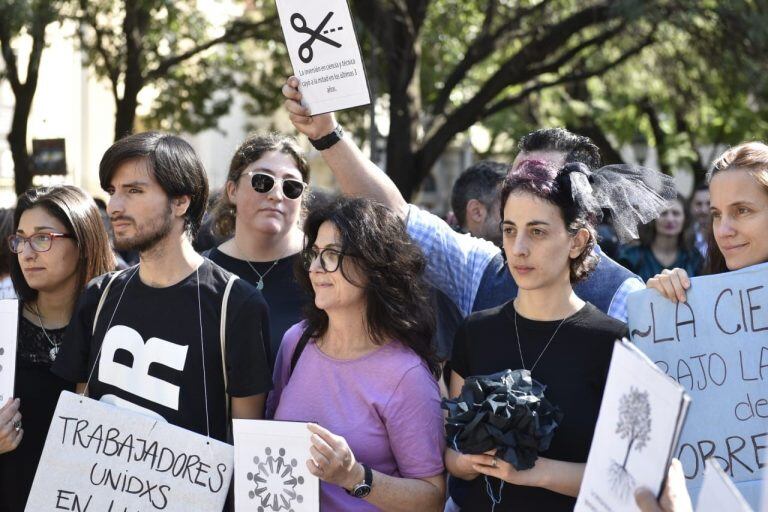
x: 39, y: 242
x: 330, y: 258
x: 263, y: 183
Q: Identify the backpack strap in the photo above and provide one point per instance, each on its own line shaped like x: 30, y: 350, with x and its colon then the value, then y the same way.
x: 104, y: 298
x: 223, y: 337
x: 300, y: 346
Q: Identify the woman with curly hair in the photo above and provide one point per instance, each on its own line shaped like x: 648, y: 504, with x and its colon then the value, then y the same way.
x: 258, y: 214
x: 548, y: 233
x: 362, y: 364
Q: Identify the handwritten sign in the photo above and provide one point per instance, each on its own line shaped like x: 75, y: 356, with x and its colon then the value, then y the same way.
x: 270, y: 467
x: 9, y: 326
x: 324, y: 53
x: 640, y: 419
x: 716, y: 346
x: 100, y: 458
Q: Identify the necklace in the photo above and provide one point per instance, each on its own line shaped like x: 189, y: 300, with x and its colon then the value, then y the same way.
x: 520, y: 348
x: 54, y: 346
x: 260, y: 283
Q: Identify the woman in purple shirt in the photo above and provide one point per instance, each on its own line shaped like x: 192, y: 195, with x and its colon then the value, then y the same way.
x: 362, y: 367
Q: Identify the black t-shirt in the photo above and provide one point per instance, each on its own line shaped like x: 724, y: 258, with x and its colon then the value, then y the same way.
x: 150, y: 358
x: 283, y: 294
x: 573, y: 368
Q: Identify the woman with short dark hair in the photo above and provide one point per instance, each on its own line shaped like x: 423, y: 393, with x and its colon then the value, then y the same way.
x: 362, y: 364
x: 667, y: 242
x: 548, y: 232
x: 258, y: 214
x: 59, y: 244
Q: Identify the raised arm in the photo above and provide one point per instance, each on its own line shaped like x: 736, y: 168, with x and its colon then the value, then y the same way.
x: 356, y: 174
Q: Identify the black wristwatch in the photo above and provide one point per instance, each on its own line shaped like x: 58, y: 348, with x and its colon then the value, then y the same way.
x: 363, y: 489
x: 329, y: 140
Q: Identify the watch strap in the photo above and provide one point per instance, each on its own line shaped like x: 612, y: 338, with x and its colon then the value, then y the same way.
x: 326, y: 141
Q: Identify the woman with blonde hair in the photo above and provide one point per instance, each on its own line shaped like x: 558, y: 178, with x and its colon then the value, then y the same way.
x: 738, y: 185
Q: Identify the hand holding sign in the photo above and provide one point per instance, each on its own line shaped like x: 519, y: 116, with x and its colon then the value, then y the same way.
x: 10, y: 426
x: 324, y: 53
x: 313, y: 127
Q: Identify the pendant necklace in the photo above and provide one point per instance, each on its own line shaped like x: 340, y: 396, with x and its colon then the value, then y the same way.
x: 260, y: 283
x: 520, y: 348
x: 54, y: 346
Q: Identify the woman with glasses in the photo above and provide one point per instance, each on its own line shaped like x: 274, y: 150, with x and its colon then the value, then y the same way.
x: 60, y: 244
x: 361, y: 368
x: 259, y: 212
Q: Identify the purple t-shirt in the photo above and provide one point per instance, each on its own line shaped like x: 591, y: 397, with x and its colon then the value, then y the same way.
x: 386, y: 404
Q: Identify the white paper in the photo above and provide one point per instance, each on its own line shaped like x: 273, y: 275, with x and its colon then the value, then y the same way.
x: 101, y: 458
x: 716, y: 347
x: 9, y: 327
x: 270, y: 467
x: 324, y: 53
x: 718, y: 493
x: 636, y: 430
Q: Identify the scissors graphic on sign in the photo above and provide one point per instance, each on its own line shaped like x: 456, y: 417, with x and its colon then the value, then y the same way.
x: 299, y: 24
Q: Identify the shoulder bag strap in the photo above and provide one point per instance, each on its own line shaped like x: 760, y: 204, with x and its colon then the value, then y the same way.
x: 300, y: 346
x: 104, y: 298
x: 223, y: 337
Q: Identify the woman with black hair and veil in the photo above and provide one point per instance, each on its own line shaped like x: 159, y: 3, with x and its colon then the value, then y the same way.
x: 548, y: 228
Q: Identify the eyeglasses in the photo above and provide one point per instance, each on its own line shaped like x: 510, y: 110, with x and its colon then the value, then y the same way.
x: 263, y: 183
x: 41, y: 242
x: 330, y: 258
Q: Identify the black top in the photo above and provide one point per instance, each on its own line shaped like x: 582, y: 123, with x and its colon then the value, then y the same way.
x: 573, y: 368
x: 283, y: 294
x: 150, y: 342
x: 38, y: 389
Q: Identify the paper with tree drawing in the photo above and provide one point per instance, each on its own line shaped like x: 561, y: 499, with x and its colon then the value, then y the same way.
x: 640, y: 419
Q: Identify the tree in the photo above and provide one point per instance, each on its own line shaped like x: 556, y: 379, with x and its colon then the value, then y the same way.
x: 17, y: 18
x: 634, y: 421
x: 172, y: 46
x: 450, y: 64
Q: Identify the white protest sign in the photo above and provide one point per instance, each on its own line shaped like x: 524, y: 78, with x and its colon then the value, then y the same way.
x: 324, y: 53
x: 637, y: 429
x: 716, y: 346
x: 718, y: 492
x: 100, y: 458
x: 270, y: 467
x: 9, y: 326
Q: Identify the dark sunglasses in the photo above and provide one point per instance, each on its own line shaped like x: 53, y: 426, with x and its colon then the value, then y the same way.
x: 40, y: 242
x: 263, y: 183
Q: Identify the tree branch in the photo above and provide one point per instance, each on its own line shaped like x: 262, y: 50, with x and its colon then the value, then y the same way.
x: 11, y: 64
x: 237, y: 31
x: 570, y: 78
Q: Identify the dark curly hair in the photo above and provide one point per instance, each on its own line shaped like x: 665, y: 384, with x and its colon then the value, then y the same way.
x: 251, y: 150
x: 553, y: 185
x: 397, y: 298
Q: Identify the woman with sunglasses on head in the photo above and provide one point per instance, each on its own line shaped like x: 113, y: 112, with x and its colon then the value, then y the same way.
x: 60, y: 244
x: 549, y: 216
x: 362, y: 367
x: 259, y: 212
x: 738, y: 185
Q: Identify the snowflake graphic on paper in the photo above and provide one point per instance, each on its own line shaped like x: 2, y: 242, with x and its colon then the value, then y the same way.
x: 275, y: 482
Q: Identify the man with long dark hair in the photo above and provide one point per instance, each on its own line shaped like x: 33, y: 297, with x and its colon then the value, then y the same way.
x: 149, y: 338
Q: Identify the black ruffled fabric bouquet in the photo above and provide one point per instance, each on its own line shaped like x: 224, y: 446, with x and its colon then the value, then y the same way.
x: 505, y: 411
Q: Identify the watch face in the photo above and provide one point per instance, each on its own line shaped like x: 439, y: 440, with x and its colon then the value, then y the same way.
x: 361, y: 490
